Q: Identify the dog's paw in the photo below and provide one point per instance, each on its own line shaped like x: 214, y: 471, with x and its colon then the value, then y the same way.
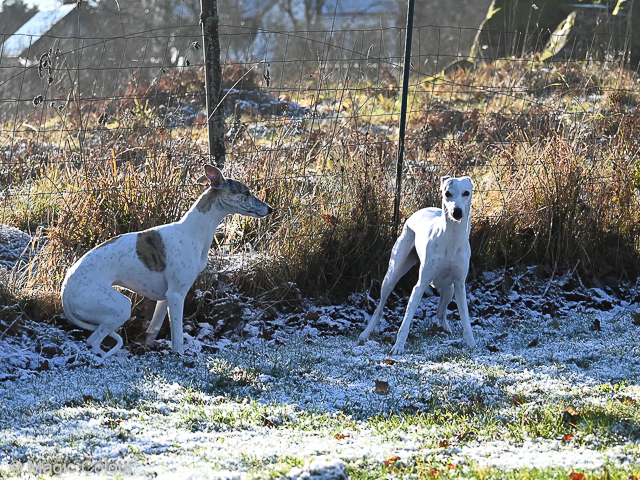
x: 397, y: 350
x: 471, y: 342
x: 363, y: 338
x: 445, y: 326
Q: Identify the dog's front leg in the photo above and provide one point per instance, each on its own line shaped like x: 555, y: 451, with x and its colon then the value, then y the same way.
x: 175, y: 303
x: 156, y: 322
x: 463, y: 309
x: 446, y: 294
x: 403, y: 333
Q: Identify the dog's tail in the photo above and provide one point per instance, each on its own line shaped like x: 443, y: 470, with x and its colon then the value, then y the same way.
x: 90, y: 326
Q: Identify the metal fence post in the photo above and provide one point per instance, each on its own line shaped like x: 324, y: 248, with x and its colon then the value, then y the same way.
x: 403, y: 116
x: 213, y: 81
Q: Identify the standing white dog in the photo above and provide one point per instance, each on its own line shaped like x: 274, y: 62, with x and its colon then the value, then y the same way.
x: 439, y: 239
x: 160, y: 263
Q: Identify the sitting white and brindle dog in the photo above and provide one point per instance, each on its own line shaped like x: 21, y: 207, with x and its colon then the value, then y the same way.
x: 160, y: 263
x: 439, y: 240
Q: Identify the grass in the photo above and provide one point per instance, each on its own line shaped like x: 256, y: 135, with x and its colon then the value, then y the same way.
x: 552, y: 149
x: 553, y: 157
x: 545, y: 194
x: 262, y: 410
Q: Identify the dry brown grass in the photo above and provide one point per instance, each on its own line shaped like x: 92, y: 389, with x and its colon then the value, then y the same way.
x: 553, y: 187
x: 562, y: 206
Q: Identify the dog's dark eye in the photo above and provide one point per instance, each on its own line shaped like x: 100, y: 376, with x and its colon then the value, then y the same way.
x: 448, y: 194
x: 466, y: 193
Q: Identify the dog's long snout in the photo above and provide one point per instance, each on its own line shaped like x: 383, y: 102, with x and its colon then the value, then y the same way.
x: 269, y: 210
x: 457, y: 213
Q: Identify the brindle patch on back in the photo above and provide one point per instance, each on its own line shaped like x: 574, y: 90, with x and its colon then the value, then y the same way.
x: 150, y: 250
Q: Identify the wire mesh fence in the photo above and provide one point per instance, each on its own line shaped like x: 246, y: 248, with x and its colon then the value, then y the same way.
x: 102, y: 136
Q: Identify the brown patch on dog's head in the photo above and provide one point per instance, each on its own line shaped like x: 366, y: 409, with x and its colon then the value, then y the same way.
x: 150, y: 250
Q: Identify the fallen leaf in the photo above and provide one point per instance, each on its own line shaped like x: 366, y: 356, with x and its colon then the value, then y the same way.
x: 626, y: 400
x: 391, y: 460
x: 555, y: 324
x: 268, y: 423
x: 518, y: 400
x: 390, y: 361
x: 444, y: 443
x: 382, y: 387
x: 341, y: 436
x: 636, y: 319
x: 492, y: 348
x: 568, y: 437
x: 577, y: 476
x: 571, y: 411
x: 466, y: 436
x: 534, y: 343
x: 111, y: 423
x: 434, y: 472
x: 330, y: 219
x: 570, y: 415
x: 451, y: 466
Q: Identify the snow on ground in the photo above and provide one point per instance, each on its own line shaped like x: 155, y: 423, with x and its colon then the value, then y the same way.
x: 14, y: 246
x: 294, y: 393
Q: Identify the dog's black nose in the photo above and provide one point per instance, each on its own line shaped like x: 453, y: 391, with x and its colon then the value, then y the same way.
x: 457, y: 213
x: 269, y: 210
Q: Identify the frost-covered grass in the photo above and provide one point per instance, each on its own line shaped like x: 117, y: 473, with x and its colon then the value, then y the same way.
x: 327, y: 408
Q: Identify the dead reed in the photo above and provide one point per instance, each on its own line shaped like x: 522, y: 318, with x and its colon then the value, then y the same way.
x: 556, y: 178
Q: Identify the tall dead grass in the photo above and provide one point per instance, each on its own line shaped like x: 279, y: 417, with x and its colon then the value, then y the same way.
x: 561, y: 206
x: 548, y: 192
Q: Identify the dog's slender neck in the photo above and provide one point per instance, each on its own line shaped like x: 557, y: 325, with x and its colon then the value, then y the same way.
x: 203, y: 222
x: 453, y: 226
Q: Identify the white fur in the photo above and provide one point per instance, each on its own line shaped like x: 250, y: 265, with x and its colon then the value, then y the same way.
x: 439, y: 240
x: 89, y: 299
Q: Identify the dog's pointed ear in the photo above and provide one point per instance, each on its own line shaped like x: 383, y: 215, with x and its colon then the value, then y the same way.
x: 203, y: 180
x: 213, y: 176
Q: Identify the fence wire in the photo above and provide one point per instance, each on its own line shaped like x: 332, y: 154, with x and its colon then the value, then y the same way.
x: 101, y: 136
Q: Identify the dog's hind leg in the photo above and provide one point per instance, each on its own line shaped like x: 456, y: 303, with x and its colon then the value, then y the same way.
x: 414, y: 301
x: 461, y: 300
x: 96, y: 338
x: 156, y: 322
x: 175, y: 302
x: 446, y: 294
x: 109, y: 310
x: 403, y: 257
